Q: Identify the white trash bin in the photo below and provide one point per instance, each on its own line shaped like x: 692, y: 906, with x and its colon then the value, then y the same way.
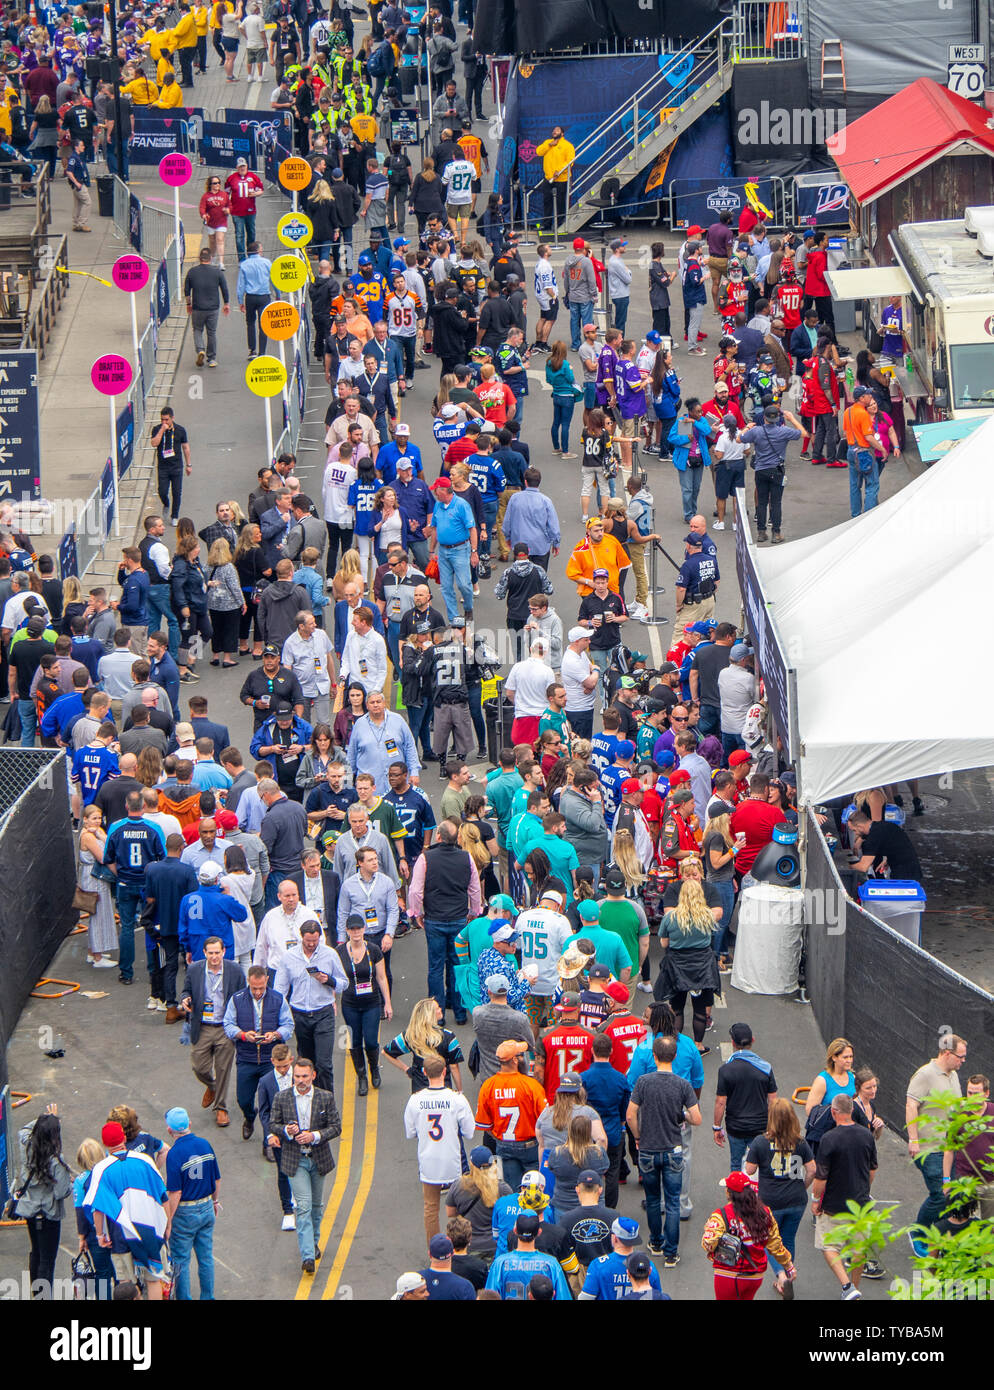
x: 768, y: 942
x: 899, y: 904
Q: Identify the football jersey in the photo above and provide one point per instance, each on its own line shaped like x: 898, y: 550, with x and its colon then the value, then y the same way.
x: 446, y: 432
x: 508, y: 1106
x: 438, y: 1118
x: 543, y: 936
x: 472, y: 148
x: 372, y: 287
x: 607, y: 1278
x: 569, y: 1047
x: 611, y: 779
x: 402, y: 315
x: 90, y: 768
x: 458, y: 179
x: 414, y: 813
x: 789, y: 296
x: 545, y: 284
x: 602, y: 749
x: 626, y: 1032
x: 594, y: 1007
x: 470, y: 279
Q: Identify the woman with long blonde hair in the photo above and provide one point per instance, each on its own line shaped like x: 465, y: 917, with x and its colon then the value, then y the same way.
x: 689, y: 964
x: 149, y: 768
x: 349, y: 569
x: 552, y: 1126
x: 785, y: 1163
x: 474, y: 1196
x: 626, y: 859
x: 88, y: 1155
x: 574, y: 1157
x: 426, y: 1036
x: 445, y: 388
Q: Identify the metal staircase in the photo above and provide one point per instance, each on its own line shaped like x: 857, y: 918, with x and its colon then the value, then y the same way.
x: 688, y: 83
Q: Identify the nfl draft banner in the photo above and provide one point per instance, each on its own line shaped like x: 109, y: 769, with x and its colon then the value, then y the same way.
x: 702, y: 201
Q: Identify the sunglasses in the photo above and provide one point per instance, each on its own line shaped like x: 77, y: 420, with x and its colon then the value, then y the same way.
x: 679, y: 718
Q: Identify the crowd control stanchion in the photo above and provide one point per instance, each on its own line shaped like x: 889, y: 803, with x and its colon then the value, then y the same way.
x: 38, y: 993
x: 279, y: 321
x: 656, y: 590
x: 294, y: 174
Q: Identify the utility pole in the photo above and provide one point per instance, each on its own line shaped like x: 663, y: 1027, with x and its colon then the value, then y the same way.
x: 115, y: 77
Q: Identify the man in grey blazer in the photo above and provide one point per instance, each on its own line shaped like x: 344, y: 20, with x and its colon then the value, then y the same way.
x: 302, y: 1124
x: 209, y: 985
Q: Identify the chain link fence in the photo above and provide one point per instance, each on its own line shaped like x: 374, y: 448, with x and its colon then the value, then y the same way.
x: 20, y: 769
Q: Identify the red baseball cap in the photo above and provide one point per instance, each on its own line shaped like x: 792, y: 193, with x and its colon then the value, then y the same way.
x: 225, y: 820
x: 694, y: 230
x: 441, y: 482
x: 739, y: 757
x: 617, y: 992
x: 631, y: 784
x: 578, y: 243
x: 679, y: 777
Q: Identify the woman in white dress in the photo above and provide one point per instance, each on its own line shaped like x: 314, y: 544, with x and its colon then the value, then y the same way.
x: 101, y: 929
x: 239, y: 881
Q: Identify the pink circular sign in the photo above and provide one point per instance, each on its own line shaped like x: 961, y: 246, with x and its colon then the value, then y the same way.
x: 175, y: 170
x: 111, y: 375
x: 130, y: 273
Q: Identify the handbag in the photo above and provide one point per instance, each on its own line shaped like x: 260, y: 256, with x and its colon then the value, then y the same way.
x: 431, y: 569
x: 104, y: 874
x: 84, y: 901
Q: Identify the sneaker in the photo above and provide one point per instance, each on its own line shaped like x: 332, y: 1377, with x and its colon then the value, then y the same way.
x: 671, y: 1261
x: 718, y: 526
x: 850, y: 1292
x: 409, y: 383
x: 918, y: 1247
x: 644, y: 987
x: 568, y: 455
x: 104, y: 964
x: 161, y: 1006
x: 655, y: 1247
x: 873, y: 1270
x: 212, y: 361
x: 151, y: 1004
x: 476, y: 591
x: 289, y: 1222
x: 696, y: 352
x: 201, y: 358
x: 253, y: 354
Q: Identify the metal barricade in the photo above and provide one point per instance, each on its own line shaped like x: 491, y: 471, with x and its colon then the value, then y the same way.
x: 764, y: 30
x: 146, y: 354
x: 89, y: 531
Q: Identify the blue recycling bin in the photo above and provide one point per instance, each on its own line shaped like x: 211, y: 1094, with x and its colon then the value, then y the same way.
x: 899, y: 904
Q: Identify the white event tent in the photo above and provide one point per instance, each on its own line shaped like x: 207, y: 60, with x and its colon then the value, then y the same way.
x: 880, y: 619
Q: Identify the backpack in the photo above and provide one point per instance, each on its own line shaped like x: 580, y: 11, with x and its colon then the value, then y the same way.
x: 731, y: 1251
x: 819, y: 1123
x: 380, y: 62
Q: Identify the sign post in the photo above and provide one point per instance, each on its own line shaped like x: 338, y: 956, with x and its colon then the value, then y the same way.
x: 281, y: 320
x: 175, y: 170
x: 294, y: 174
x: 131, y: 274
x: 20, y: 452
x: 266, y: 376
x: 111, y: 375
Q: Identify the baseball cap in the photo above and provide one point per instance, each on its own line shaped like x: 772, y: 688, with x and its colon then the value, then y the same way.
x: 728, y: 421
x: 617, y: 242
x: 569, y: 1083
x: 481, y: 1157
x: 639, y: 1266
x: 589, y: 1178
x: 177, y: 1118
x: 533, y: 1178
x: 503, y: 902
x: 551, y: 896
x: 679, y: 777
x: 599, y: 972
x: 630, y: 785
x: 400, y: 241
x: 694, y: 230
x: 740, y: 1034
x: 567, y: 1002
x: 576, y: 634
x: 692, y: 539
x: 402, y: 428
x: 512, y: 279
x: 681, y: 796
x: 578, y: 243
x: 209, y: 872
x: 509, y: 1049
x: 502, y: 931
x: 739, y: 757
x: 440, y: 1247
x: 653, y: 337
x: 614, y: 880
x: 365, y: 258
x: 737, y: 1182
x: 448, y: 410
x: 764, y: 357
x: 405, y: 466
x: 627, y: 683
x: 444, y: 483
x: 225, y: 820
x: 739, y: 652
x: 407, y: 1283
x: 626, y: 1229
x: 241, y: 162
x: 355, y: 922
x: 591, y: 326
x: 704, y: 626
x: 617, y: 992
x: 625, y: 749
x: 541, y: 1288
x: 36, y: 626
x: 668, y: 668
x: 284, y: 710
x: 496, y: 984
x: 526, y: 1224
x: 600, y: 574
x: 589, y: 911
x: 112, y: 1135
x: 271, y: 649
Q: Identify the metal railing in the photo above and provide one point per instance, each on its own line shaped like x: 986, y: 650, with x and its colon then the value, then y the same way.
x: 48, y: 301
x: 764, y: 30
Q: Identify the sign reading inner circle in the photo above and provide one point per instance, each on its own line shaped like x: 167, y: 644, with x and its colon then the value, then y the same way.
x: 279, y: 320
x: 265, y: 376
x: 130, y: 273
x: 288, y: 272
x: 111, y: 375
x: 175, y: 170
x: 295, y: 229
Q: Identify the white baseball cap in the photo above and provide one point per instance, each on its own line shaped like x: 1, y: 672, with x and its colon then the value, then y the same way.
x: 209, y: 872
x: 407, y: 1283
x: 402, y: 429
x: 448, y: 410
x: 576, y: 633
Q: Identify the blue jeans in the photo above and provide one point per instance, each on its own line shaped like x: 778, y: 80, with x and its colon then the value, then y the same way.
x: 419, y: 549
x: 29, y: 722
x: 453, y: 567
x: 730, y: 743
x: 710, y: 720
x: 725, y: 890
x: 579, y: 314
x: 419, y: 720
x: 406, y: 345
x: 193, y: 1233
x: 276, y: 877
x: 130, y: 901
x: 858, y: 480
x: 621, y: 313
x: 737, y: 1151
x: 517, y: 1158
x: 930, y: 1167
x: 690, y: 486
x: 244, y: 233
x: 306, y: 1184
x: 662, y: 1181
x: 159, y: 606
x: 441, y: 939
x: 490, y: 518
x: 788, y: 1221
x: 562, y: 414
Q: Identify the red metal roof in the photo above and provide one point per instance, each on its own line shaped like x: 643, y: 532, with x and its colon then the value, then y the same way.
x: 904, y: 134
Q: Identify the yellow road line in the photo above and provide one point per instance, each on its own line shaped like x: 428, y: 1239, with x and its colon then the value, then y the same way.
x: 341, y: 1178
x: 365, y: 1183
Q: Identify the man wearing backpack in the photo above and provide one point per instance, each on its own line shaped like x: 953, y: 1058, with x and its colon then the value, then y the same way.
x: 382, y: 65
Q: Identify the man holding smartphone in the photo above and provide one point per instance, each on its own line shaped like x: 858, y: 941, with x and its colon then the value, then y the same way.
x: 307, y: 977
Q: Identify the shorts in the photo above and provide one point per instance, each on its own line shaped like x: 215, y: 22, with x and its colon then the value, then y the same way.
x: 477, y: 185
x: 550, y: 315
x: 727, y: 480
x: 255, y: 55
x: 539, y: 1009
x: 630, y: 427
x: 591, y: 479
x: 717, y: 266
x: 457, y: 211
x: 827, y: 1234
x: 229, y: 45
x: 589, y: 396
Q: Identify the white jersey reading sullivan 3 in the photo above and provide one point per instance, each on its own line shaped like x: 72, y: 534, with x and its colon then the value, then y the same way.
x: 438, y: 1118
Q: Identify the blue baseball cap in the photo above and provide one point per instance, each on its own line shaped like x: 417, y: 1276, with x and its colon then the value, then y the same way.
x: 625, y: 749
x: 705, y: 626
x: 666, y: 758
x: 653, y: 337
x: 626, y: 1229
x: 365, y: 258
x: 588, y: 910
x: 400, y: 241
x: 177, y: 1119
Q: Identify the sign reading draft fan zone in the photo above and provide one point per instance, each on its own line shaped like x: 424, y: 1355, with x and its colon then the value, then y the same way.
x: 288, y: 273
x: 279, y: 320
x: 265, y: 376
x: 295, y: 173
